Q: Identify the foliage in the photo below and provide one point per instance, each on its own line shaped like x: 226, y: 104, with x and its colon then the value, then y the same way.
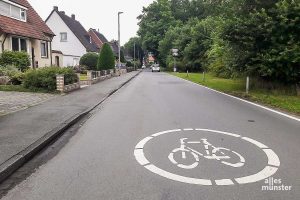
x: 19, y: 59
x: 89, y: 60
x: 129, y: 48
x: 15, y: 76
x: 45, y: 78
x: 106, y: 58
x: 232, y: 38
x: 122, y: 57
x: 155, y: 20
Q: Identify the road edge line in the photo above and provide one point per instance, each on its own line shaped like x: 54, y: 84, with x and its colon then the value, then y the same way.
x: 243, y: 100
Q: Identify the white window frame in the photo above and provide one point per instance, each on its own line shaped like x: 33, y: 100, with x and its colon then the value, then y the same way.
x: 46, y: 49
x: 22, y: 10
x: 19, y: 43
x: 64, y: 33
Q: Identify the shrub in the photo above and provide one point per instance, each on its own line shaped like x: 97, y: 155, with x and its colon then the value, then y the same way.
x: 45, y: 78
x: 89, y: 60
x: 15, y: 76
x: 19, y: 59
x: 106, y: 58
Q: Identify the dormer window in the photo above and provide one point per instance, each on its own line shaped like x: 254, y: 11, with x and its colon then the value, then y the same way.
x: 13, y: 10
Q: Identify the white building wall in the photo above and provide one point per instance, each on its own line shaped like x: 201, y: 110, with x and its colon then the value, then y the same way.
x: 72, y: 49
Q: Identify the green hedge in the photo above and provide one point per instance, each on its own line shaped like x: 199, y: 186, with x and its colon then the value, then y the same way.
x: 19, y: 59
x: 89, y: 60
x: 45, y: 78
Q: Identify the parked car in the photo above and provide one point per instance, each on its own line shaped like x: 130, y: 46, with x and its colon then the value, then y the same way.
x: 155, y: 68
x: 144, y: 67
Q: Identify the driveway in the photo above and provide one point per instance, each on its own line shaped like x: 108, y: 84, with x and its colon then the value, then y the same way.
x: 15, y: 101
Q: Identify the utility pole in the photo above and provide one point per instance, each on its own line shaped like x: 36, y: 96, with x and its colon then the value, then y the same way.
x: 134, y: 55
x: 119, y: 42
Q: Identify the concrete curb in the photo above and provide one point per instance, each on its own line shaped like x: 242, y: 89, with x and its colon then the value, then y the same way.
x: 18, y: 160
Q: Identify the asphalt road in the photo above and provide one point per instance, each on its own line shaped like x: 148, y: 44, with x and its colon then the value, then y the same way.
x: 106, y: 160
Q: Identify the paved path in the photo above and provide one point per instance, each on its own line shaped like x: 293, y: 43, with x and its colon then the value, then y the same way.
x: 20, y: 129
x: 15, y: 101
x: 133, y: 147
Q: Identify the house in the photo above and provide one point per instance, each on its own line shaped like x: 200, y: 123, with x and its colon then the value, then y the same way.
x: 22, y: 29
x: 71, y: 42
x: 98, y: 38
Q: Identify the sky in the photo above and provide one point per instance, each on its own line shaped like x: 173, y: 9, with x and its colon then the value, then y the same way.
x: 99, y: 14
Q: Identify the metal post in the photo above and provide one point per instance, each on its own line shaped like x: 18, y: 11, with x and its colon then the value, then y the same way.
x: 134, y: 55
x: 119, y: 42
x: 247, y: 85
x: 175, y: 64
x: 203, y: 77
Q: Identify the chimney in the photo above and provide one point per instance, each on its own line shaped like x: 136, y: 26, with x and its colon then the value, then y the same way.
x: 73, y: 16
x: 63, y: 12
x: 55, y: 8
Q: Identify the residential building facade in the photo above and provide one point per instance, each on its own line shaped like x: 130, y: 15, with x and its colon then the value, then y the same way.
x: 22, y: 29
x: 71, y: 39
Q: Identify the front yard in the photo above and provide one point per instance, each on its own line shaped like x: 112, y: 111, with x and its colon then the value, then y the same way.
x: 236, y: 87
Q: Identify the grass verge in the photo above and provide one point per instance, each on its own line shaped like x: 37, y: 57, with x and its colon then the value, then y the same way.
x: 236, y: 87
x: 20, y: 88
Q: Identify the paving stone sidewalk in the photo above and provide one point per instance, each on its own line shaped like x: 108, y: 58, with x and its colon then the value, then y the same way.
x: 15, y: 101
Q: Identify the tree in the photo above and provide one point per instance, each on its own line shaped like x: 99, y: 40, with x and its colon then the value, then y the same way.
x: 122, y: 57
x: 154, y: 22
x: 129, y: 48
x: 89, y: 60
x: 106, y: 58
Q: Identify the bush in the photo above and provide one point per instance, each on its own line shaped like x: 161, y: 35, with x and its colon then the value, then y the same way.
x: 89, y: 60
x: 19, y: 59
x: 106, y: 58
x: 15, y: 76
x: 45, y: 78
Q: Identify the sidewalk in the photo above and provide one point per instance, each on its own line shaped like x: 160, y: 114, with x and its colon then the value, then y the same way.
x: 23, y: 131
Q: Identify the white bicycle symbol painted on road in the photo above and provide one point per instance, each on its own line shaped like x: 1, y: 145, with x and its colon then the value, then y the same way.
x: 224, y: 155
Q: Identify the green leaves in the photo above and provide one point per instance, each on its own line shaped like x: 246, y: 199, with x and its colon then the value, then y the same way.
x: 106, y: 58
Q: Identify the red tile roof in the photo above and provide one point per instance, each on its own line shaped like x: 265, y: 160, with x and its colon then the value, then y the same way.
x: 35, y: 27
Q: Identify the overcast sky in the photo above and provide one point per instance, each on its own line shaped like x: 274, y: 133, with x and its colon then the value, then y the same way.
x: 99, y: 14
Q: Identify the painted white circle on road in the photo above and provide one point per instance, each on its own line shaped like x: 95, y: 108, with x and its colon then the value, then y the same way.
x: 269, y: 170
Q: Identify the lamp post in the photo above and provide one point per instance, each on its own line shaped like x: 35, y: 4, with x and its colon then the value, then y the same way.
x: 134, y: 55
x: 119, y: 45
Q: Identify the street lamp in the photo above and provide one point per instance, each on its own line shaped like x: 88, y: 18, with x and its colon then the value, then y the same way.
x: 119, y: 45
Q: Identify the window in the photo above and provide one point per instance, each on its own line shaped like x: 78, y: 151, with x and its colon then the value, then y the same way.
x: 44, y: 49
x: 63, y: 37
x: 18, y: 44
x: 23, y: 14
x: 4, y: 8
x: 12, y: 11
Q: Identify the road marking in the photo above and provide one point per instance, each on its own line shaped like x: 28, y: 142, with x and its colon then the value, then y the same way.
x: 260, y: 145
x: 176, y: 177
x: 214, y: 131
x: 263, y: 174
x: 243, y: 100
x: 224, y: 182
x: 188, y: 129
x: 268, y: 171
x: 139, y: 155
x: 142, y: 143
x: 272, y: 158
